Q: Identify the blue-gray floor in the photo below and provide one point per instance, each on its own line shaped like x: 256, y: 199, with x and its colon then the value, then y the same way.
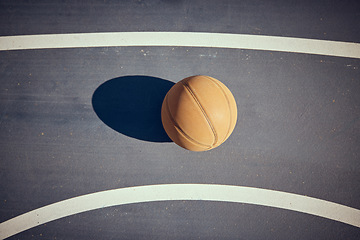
x: 298, y: 126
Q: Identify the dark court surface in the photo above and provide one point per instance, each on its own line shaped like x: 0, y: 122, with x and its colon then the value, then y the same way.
x: 63, y: 134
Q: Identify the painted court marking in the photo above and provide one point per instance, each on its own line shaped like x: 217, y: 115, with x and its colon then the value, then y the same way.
x: 182, y: 39
x: 172, y: 192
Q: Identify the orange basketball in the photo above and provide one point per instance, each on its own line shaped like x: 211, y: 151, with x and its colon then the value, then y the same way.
x: 199, y: 113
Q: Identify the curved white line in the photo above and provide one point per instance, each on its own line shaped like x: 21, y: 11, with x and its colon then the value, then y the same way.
x: 171, y: 192
x: 183, y: 39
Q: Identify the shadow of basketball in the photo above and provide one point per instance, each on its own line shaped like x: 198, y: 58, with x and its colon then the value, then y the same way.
x: 131, y: 105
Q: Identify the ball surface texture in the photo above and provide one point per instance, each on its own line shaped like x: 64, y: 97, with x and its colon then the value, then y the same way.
x: 199, y: 113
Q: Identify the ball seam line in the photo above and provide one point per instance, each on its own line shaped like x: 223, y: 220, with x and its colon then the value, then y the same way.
x: 228, y: 102
x: 187, y: 87
x: 204, y: 147
x: 178, y: 128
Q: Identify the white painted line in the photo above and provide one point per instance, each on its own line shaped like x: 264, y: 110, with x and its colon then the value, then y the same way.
x: 171, y: 192
x: 182, y: 39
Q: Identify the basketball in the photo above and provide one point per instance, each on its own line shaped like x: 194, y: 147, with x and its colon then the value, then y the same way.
x: 199, y: 113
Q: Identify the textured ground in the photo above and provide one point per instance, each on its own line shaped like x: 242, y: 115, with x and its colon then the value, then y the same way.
x: 298, y: 126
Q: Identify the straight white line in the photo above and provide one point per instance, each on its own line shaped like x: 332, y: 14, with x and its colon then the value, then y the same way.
x: 172, y: 192
x: 182, y: 39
